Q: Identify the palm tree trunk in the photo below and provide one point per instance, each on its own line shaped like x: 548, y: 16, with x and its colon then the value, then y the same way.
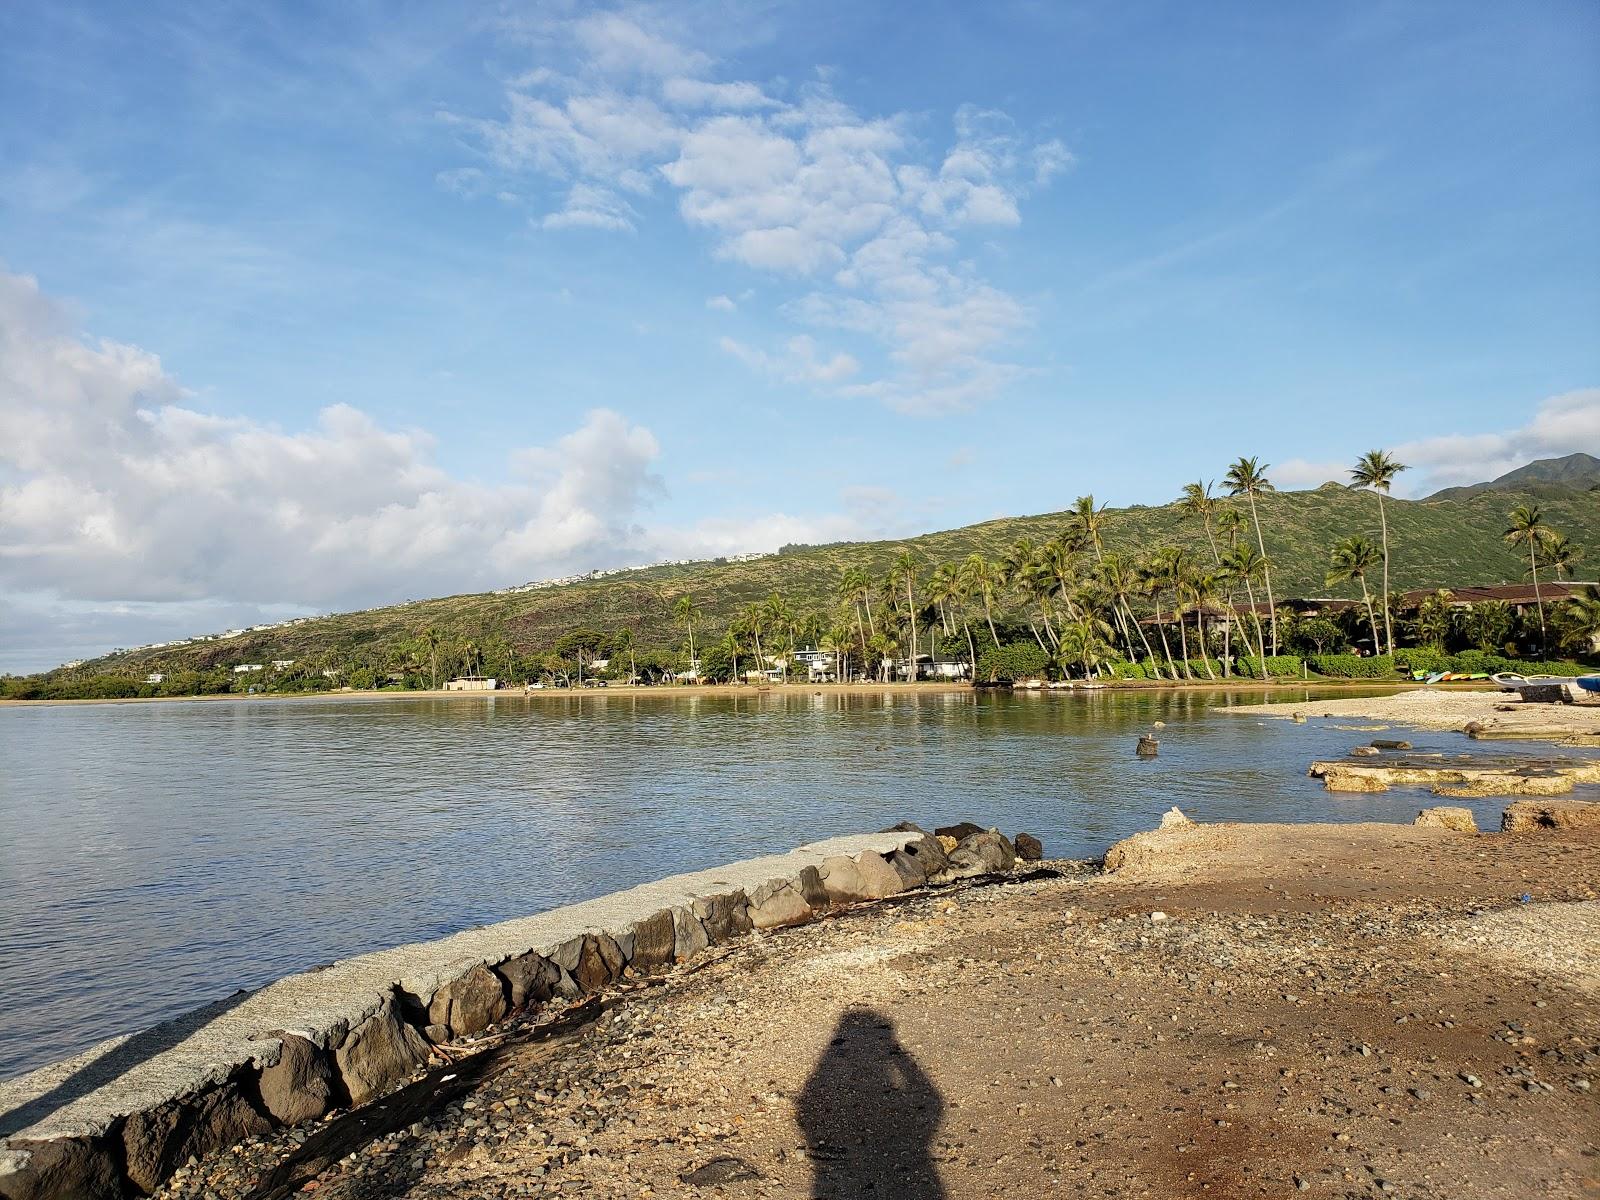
x: 1183, y: 643
x: 1166, y: 646
x: 866, y: 599
x: 988, y: 616
x: 1227, y: 639
x: 1372, y: 620
x: 1205, y: 655
x: 1533, y: 566
x: 1266, y: 567
x: 911, y: 615
x: 1383, y: 524
x: 1150, y: 654
x: 1261, y: 646
x: 1034, y: 629
x: 972, y: 650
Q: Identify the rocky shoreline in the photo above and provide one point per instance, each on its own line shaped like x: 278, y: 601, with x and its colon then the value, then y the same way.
x: 1225, y: 1010
x: 124, y: 1116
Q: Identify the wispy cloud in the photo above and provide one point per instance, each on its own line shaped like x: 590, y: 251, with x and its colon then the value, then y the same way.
x: 861, y: 222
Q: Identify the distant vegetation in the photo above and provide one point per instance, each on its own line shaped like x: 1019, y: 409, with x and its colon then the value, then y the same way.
x: 1188, y: 590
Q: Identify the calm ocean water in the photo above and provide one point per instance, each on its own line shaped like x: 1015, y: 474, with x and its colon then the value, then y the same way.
x: 154, y: 857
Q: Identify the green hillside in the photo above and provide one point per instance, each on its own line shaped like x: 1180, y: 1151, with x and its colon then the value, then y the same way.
x: 1436, y: 543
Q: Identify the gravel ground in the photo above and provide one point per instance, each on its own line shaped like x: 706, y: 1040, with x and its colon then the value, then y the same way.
x: 1434, y: 708
x: 1334, y: 1011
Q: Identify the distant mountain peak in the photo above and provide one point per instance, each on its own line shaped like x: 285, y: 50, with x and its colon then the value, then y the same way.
x: 1578, y: 471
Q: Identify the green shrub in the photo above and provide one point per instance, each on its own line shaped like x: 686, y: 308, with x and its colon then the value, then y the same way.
x: 1279, y: 666
x: 1424, y: 658
x: 1016, y: 660
x: 1126, y: 670
x: 1351, y: 666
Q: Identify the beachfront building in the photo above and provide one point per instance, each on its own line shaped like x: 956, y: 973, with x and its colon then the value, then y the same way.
x: 282, y: 664
x: 471, y: 684
x: 155, y: 677
x: 247, y: 668
x: 929, y: 667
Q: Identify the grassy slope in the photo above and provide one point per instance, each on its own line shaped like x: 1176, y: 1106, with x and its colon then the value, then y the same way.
x: 1435, y: 543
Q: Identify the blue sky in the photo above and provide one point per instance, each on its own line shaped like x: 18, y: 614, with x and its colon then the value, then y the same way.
x: 311, y: 306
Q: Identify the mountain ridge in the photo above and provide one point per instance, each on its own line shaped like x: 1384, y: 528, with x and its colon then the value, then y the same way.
x: 1577, y: 470
x: 1453, y: 540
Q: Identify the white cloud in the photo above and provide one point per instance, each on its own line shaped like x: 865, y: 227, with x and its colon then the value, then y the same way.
x: 721, y: 304
x: 798, y: 363
x: 851, y: 207
x: 124, y: 507
x: 697, y: 93
x: 1561, y: 425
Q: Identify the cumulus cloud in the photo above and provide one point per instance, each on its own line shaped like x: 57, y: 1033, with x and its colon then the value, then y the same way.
x: 1560, y: 426
x: 127, y: 510
x: 853, y: 210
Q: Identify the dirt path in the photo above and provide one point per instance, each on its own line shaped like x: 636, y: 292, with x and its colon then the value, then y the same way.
x: 1336, y: 1011
x: 1502, y: 714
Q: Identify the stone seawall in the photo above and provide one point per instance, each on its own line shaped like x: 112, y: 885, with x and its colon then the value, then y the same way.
x: 118, y: 1119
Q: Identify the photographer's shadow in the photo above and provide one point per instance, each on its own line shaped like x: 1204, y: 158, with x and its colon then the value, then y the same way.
x: 870, y: 1115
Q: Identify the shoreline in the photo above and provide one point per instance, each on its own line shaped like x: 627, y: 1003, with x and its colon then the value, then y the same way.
x: 1173, y: 1027
x: 1481, y: 714
x: 729, y: 689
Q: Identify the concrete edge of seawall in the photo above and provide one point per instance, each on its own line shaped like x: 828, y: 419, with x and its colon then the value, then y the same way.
x: 118, y: 1119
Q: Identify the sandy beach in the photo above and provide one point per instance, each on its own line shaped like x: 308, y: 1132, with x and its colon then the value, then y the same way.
x: 1498, y: 714
x: 1336, y: 1011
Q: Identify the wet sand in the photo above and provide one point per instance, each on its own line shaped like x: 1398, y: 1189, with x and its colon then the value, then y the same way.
x: 1500, y: 714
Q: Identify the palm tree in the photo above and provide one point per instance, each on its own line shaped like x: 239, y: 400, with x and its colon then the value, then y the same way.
x: 981, y: 579
x: 1241, y: 561
x: 905, y: 565
x: 1084, y: 519
x: 1558, y: 553
x: 943, y: 588
x: 1354, y: 558
x: 837, y: 642
x: 1119, y: 576
x: 432, y: 637
x: 1198, y: 501
x: 731, y: 646
x: 1248, y: 478
x: 1528, y: 529
x: 686, y: 611
x: 1376, y: 470
x: 623, y: 640
x: 1580, y: 620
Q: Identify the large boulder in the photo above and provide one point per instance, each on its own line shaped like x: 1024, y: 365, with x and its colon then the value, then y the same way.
x: 378, y: 1053
x: 469, y: 1004
x: 1445, y: 817
x: 600, y: 963
x: 159, y: 1140
x: 931, y: 857
x: 864, y: 877
x: 299, y: 1086
x: 724, y: 916
x: 653, y: 939
x: 1029, y: 848
x: 689, y: 936
x: 986, y: 852
x: 961, y: 831
x: 778, y: 903
x: 1527, y: 816
x: 55, y: 1170
x: 529, y: 979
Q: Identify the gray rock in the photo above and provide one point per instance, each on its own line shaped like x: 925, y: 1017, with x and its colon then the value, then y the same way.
x: 776, y: 904
x: 810, y: 884
x: 469, y: 1004
x: 909, y: 869
x: 719, y: 1171
x: 159, y: 1140
x: 377, y: 1054
x: 864, y: 877
x: 983, y: 853
x: 724, y: 917
x: 600, y: 963
x: 64, y: 1169
x: 932, y: 858
x: 299, y: 1086
x: 688, y: 935
x: 653, y: 940
x: 529, y: 978
x: 567, y: 954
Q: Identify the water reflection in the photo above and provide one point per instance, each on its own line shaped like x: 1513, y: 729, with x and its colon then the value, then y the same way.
x: 153, y: 857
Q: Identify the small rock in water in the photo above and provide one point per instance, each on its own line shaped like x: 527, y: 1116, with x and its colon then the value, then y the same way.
x: 1364, y: 752
x: 1173, y: 818
x: 1148, y: 746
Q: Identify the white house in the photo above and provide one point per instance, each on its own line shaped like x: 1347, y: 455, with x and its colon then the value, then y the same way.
x: 282, y: 664
x: 246, y: 668
x: 471, y: 685
x: 154, y: 677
